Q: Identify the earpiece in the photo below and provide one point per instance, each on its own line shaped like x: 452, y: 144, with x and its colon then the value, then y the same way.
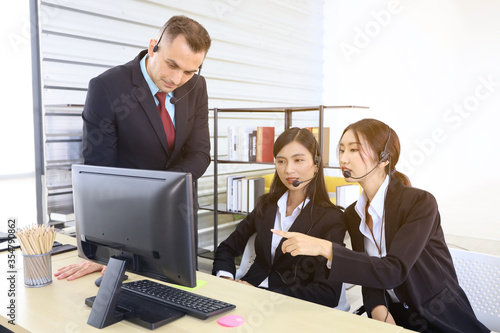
x: 384, y: 155
x: 155, y: 48
x: 317, y: 160
x: 317, y: 156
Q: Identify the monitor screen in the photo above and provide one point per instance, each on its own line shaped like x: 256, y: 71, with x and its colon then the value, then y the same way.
x: 143, y: 216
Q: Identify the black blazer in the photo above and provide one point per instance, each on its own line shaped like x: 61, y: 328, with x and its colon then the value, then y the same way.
x: 122, y: 125
x: 302, y: 277
x: 418, y: 265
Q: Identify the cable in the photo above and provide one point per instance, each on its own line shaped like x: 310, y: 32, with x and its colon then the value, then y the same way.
x: 310, y: 228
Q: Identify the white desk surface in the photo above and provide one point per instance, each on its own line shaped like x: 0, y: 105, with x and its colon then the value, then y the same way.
x: 60, y: 307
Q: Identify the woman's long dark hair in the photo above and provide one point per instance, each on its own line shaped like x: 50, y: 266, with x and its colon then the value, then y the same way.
x: 380, y: 136
x: 316, y: 189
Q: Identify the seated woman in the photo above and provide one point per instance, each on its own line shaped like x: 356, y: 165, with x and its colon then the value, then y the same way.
x: 297, y: 201
x: 401, y: 258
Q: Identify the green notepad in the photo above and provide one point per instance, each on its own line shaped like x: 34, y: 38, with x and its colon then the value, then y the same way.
x: 199, y: 284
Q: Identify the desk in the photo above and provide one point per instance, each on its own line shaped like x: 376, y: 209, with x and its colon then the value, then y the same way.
x: 60, y: 307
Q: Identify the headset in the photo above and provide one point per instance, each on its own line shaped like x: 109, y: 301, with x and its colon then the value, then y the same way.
x: 175, y: 100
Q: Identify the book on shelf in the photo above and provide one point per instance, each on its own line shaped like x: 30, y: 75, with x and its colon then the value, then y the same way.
x: 231, y: 193
x: 244, y: 195
x: 256, y: 188
x: 265, y: 142
x: 237, y: 196
x: 243, y: 192
x: 325, y: 153
x: 252, y: 151
x: 243, y: 145
x: 65, y: 215
x: 232, y: 143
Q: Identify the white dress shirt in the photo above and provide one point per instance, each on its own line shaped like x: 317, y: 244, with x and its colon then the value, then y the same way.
x: 376, y: 210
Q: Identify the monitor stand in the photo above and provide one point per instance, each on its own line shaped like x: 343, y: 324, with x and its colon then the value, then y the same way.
x: 111, y: 305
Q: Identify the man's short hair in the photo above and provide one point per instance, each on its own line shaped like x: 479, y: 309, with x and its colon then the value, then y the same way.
x: 196, y: 35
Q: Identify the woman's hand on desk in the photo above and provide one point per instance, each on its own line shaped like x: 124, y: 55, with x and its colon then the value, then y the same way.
x: 237, y: 280
x: 244, y: 282
x: 226, y: 277
x: 75, y: 271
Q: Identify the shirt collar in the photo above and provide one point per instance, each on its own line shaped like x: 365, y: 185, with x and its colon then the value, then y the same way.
x: 377, y: 204
x: 378, y: 200
x: 282, y: 205
x: 152, y: 86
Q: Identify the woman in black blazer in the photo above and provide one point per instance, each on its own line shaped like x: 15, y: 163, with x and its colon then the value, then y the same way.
x: 297, y: 201
x: 401, y: 259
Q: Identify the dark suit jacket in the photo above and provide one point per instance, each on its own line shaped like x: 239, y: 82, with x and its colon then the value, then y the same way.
x: 123, y: 128
x: 418, y: 265
x: 302, y: 276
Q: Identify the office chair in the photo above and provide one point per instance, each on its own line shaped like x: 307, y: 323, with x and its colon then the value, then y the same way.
x: 479, y: 276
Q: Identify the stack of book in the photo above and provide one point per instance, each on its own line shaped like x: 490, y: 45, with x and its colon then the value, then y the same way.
x: 246, y: 144
x: 243, y: 192
x: 65, y: 216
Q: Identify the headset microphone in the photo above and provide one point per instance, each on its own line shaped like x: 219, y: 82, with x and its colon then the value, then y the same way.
x: 347, y: 173
x: 384, y: 156
x: 296, y: 183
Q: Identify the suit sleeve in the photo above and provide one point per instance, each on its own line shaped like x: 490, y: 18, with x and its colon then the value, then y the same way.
x: 320, y: 290
x: 99, y: 127
x: 234, y: 246
x: 195, y: 156
x: 420, y: 218
x: 372, y: 297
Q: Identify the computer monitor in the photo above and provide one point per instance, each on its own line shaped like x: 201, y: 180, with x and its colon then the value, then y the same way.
x: 144, y: 217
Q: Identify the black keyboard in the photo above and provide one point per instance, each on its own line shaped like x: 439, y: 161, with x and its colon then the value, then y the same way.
x: 5, y: 236
x: 194, y: 305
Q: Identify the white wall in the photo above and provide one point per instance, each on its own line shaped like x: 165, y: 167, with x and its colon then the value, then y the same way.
x: 17, y: 166
x: 431, y: 70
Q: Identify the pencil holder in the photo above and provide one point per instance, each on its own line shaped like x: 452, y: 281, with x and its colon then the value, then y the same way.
x: 37, y: 270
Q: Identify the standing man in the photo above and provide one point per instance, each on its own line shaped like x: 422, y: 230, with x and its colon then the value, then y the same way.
x: 150, y: 113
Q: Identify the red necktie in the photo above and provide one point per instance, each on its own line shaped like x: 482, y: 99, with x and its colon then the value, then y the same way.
x: 167, y: 122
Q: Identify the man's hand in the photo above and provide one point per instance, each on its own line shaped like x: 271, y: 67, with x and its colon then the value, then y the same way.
x: 75, y: 271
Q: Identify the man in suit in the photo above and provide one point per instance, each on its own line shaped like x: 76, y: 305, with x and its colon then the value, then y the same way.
x: 150, y: 113
x: 123, y: 126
